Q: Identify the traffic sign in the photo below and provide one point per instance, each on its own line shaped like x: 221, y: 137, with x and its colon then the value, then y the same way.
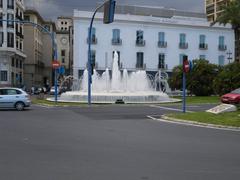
x: 186, y: 66
x: 55, y: 64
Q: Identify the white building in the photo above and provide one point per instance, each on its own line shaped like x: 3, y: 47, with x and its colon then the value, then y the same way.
x: 11, y: 43
x: 149, y: 38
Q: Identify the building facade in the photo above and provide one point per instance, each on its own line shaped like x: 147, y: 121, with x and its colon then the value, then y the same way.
x: 149, y: 39
x: 39, y: 51
x: 213, y: 9
x: 12, y: 56
x: 64, y: 38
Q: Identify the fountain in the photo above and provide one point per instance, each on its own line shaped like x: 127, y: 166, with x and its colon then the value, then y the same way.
x: 134, y: 87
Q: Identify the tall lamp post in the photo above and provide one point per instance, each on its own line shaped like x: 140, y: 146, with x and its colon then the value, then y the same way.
x: 109, y: 10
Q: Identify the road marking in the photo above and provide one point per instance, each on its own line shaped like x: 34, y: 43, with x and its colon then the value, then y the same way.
x: 43, y: 106
x: 190, y: 123
x: 168, y: 108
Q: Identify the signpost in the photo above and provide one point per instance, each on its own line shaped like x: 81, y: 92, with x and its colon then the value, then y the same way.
x: 186, y: 69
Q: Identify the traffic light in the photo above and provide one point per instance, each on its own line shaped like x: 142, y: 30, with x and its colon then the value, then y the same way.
x: 109, y: 10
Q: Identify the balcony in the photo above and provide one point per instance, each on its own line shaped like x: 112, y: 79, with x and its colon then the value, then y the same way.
x: 203, y: 46
x: 141, y: 66
x: 222, y: 47
x: 140, y: 42
x: 162, y: 44
x: 93, y: 40
x: 117, y: 41
x: 183, y: 45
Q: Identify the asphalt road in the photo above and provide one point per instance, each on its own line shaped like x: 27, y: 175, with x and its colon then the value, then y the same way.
x: 112, y: 143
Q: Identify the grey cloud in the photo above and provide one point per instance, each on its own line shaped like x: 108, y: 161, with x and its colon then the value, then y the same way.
x: 54, y: 8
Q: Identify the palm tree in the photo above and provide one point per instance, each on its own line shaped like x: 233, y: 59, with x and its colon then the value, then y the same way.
x: 231, y: 14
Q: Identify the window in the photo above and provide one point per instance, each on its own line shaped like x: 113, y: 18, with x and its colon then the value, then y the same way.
x: 116, y: 36
x: 221, y: 60
x: 16, y: 63
x: 1, y: 3
x: 66, y: 23
x: 63, y: 52
x: 181, y: 59
x: 20, y: 64
x: 139, y: 36
x: 10, y: 41
x: 1, y: 39
x: 202, y: 42
x: 10, y: 23
x: 182, y: 41
x: 21, y: 48
x: 202, y: 57
x: 10, y: 4
x: 221, y: 43
x: 11, y: 92
x: 161, y: 61
x: 13, y: 62
x: 4, y: 76
x: 63, y: 59
x: 182, y: 38
x: 1, y: 17
x: 17, y: 44
x: 221, y: 40
x: 116, y: 33
x: 140, y: 60
x: 161, y: 37
x: 62, y: 22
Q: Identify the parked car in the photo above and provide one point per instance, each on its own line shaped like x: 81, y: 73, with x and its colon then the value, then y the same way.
x: 14, y: 98
x: 232, y: 97
x: 52, y: 91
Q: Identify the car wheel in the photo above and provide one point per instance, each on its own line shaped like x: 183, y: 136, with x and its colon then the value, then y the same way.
x: 19, y: 106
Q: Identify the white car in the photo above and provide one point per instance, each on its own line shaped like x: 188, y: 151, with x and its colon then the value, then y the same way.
x: 14, y: 98
x: 52, y: 91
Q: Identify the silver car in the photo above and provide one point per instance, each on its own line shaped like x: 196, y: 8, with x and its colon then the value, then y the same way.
x: 14, y: 98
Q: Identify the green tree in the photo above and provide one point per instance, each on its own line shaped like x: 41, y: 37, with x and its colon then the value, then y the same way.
x: 228, y: 79
x: 199, y: 80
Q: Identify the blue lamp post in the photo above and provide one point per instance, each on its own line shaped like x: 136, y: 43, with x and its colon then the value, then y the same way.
x: 109, y: 10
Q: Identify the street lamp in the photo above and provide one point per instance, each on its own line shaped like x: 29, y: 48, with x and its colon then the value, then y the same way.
x: 109, y: 10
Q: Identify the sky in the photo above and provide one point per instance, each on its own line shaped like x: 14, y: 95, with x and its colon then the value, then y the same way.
x: 50, y: 9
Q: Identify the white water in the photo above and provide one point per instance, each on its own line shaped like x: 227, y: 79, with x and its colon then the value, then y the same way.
x: 125, y: 82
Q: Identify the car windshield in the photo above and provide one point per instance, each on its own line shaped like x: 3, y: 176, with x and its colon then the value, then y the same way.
x: 236, y: 91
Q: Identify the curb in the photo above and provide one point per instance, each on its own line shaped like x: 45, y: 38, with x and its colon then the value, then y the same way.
x: 165, y: 118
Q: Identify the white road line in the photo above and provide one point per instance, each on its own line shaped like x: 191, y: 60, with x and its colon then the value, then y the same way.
x: 189, y: 123
x: 167, y: 108
x: 43, y: 106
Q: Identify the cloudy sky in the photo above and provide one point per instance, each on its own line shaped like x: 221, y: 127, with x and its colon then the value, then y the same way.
x: 50, y: 9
